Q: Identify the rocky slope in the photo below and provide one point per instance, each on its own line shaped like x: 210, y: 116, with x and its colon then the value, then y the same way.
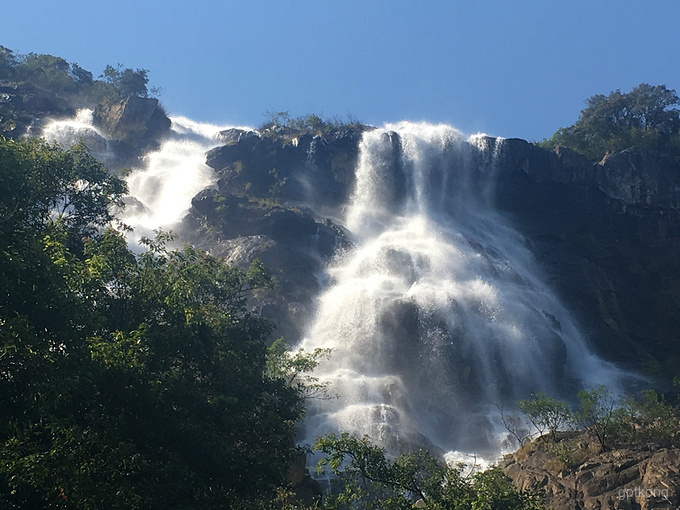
x: 575, y: 474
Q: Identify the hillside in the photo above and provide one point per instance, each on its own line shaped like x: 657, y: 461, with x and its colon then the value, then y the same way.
x: 450, y: 275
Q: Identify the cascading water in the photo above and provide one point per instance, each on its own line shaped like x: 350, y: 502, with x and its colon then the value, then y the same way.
x: 440, y: 313
x: 71, y: 131
x: 161, y: 188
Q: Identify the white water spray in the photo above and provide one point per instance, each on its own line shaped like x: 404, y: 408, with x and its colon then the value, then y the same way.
x: 440, y: 313
x: 71, y: 131
x: 162, y: 186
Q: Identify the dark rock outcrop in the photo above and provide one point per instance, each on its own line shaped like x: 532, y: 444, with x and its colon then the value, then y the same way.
x: 608, y: 237
x: 24, y: 108
x: 134, y: 125
x: 316, y: 170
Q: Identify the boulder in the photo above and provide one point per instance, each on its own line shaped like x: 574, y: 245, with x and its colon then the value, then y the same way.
x: 136, y: 123
x: 233, y: 136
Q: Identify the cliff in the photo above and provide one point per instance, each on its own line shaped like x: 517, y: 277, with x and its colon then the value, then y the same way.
x: 607, y: 234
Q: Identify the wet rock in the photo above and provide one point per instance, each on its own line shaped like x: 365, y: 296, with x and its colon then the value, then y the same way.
x: 233, y: 136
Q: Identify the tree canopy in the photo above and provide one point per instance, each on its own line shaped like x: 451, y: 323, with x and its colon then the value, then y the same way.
x: 73, y: 83
x: 647, y: 116
x: 367, y: 479
x: 126, y: 381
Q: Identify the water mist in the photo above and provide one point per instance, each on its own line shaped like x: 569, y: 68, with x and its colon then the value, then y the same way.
x: 440, y: 313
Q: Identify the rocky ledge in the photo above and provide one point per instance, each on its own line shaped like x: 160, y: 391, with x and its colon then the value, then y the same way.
x: 574, y: 474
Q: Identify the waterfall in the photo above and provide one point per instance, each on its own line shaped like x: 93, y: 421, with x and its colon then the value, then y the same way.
x: 71, y: 131
x: 440, y: 313
x: 162, y: 185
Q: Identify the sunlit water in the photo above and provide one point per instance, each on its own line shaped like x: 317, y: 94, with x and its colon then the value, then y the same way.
x: 162, y: 185
x: 437, y: 317
x: 440, y: 314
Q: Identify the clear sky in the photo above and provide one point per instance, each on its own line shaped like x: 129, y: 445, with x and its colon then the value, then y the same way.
x: 508, y: 68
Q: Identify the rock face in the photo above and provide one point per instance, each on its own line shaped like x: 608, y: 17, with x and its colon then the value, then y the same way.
x: 642, y: 477
x: 135, y: 124
x: 608, y: 236
x: 24, y: 107
x: 257, y: 212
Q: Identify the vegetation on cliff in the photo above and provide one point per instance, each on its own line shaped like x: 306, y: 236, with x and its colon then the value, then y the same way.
x: 646, y: 117
x: 283, y: 126
x: 69, y: 79
x: 44, y: 84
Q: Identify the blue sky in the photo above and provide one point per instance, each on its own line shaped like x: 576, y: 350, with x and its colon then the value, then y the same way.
x: 507, y: 68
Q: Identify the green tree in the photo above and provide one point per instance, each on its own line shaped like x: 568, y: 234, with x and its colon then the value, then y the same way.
x: 47, y: 71
x: 126, y: 381
x: 651, y: 418
x: 546, y: 414
x: 599, y: 412
x: 7, y: 63
x: 367, y: 479
x: 127, y: 82
x: 647, y: 116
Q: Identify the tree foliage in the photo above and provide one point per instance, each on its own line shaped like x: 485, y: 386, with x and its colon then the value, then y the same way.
x: 647, y: 116
x: 73, y: 83
x: 127, y: 82
x: 546, y: 414
x: 369, y: 480
x: 599, y: 412
x: 126, y: 381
